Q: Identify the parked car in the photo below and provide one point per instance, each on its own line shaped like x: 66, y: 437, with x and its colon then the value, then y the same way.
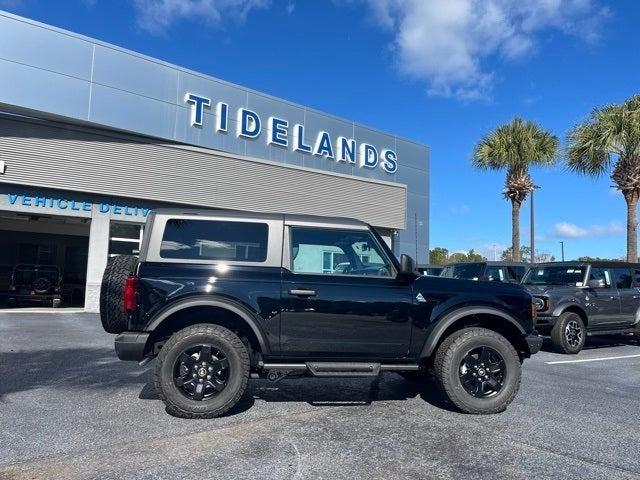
x: 431, y: 270
x: 35, y: 284
x: 220, y: 297
x: 577, y: 299
x: 511, y: 272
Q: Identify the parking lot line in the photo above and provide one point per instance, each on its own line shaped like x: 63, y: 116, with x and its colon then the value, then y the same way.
x: 582, y: 360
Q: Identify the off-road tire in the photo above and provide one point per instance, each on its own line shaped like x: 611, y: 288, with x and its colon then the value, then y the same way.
x: 112, y: 314
x: 559, y: 339
x: 447, y: 363
x: 179, y: 405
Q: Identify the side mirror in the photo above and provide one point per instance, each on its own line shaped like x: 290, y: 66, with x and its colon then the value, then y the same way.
x: 407, y: 265
x: 596, y: 283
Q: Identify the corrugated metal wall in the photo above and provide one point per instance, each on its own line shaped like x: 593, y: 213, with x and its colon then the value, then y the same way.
x: 72, y: 158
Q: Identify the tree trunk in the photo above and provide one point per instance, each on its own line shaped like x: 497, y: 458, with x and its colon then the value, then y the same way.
x: 631, y: 197
x: 515, y: 231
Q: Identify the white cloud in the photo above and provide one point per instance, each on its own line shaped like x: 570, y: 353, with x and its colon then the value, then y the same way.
x: 571, y: 230
x: 155, y: 16
x: 460, y: 209
x: 290, y: 8
x: 446, y: 43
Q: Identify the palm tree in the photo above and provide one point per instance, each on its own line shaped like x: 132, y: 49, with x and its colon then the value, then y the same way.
x: 515, y: 147
x: 610, y: 139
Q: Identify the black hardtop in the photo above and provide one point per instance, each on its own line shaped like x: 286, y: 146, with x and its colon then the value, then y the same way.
x: 492, y: 263
x: 595, y: 263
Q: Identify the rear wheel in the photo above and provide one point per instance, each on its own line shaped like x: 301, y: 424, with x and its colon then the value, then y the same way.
x: 569, y: 333
x: 202, y: 371
x: 478, y: 370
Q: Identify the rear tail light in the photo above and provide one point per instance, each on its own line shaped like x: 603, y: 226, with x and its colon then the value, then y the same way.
x: 130, y: 294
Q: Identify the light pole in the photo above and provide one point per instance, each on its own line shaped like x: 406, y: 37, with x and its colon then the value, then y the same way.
x: 562, y: 249
x: 533, y: 227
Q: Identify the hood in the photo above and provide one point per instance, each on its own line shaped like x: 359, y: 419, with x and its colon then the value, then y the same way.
x: 463, y: 285
x: 547, y: 290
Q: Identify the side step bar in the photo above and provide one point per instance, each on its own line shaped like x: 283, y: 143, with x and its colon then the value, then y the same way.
x: 342, y: 369
x: 611, y: 331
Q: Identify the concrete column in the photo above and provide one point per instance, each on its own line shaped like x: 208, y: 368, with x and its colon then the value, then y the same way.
x: 97, y: 260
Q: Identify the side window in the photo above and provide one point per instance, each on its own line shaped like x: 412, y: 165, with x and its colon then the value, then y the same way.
x: 636, y: 275
x: 215, y: 240
x: 516, y: 273
x: 337, y: 252
x: 623, y: 277
x: 494, y: 274
x: 601, y: 274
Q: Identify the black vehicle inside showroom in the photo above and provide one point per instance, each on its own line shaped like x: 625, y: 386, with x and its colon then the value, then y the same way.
x: 43, y: 261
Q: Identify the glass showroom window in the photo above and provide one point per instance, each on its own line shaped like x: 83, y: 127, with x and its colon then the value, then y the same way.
x: 125, y: 239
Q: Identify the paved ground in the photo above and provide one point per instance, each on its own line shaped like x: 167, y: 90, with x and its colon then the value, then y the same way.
x: 70, y: 410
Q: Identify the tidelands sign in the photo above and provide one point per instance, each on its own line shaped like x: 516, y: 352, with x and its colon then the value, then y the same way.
x: 280, y: 133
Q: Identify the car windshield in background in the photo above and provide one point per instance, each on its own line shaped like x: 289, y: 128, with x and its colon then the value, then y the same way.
x: 468, y: 271
x: 25, y: 276
x: 555, y: 275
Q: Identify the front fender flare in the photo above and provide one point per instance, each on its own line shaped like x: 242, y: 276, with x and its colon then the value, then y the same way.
x: 227, y: 304
x: 450, y: 318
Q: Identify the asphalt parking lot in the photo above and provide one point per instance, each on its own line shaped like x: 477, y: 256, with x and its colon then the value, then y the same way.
x: 70, y: 410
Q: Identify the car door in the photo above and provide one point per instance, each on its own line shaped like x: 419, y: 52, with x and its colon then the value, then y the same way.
x: 629, y: 295
x: 604, y: 301
x: 340, y: 296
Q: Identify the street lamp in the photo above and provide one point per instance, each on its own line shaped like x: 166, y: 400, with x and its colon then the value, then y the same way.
x: 562, y: 249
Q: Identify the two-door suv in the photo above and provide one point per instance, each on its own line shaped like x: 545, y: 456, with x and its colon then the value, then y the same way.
x: 576, y: 299
x: 219, y: 297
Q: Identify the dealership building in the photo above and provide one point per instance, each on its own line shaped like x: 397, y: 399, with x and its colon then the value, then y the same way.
x: 93, y: 136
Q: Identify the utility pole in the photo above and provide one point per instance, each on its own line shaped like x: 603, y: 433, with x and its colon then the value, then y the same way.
x: 562, y: 249
x: 495, y: 252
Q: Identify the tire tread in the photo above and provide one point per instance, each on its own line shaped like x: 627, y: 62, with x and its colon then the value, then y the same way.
x: 444, y: 358
x: 210, y: 330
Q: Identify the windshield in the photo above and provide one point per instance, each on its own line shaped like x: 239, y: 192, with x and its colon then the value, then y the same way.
x: 26, y: 276
x: 469, y: 271
x: 555, y: 275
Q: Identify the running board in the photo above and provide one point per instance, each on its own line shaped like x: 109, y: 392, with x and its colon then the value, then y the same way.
x: 611, y: 331
x: 342, y: 369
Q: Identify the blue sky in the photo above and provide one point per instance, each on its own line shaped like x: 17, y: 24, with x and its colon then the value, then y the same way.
x: 443, y: 72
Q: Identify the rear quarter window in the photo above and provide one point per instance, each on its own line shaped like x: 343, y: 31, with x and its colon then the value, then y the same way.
x: 214, y: 240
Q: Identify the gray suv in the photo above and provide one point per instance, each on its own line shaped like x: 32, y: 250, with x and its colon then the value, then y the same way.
x: 576, y: 299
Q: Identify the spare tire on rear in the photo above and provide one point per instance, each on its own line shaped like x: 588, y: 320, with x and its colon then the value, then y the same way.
x: 112, y: 314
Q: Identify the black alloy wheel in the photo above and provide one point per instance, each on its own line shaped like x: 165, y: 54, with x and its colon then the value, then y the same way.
x: 482, y: 372
x: 478, y: 370
x: 201, y: 372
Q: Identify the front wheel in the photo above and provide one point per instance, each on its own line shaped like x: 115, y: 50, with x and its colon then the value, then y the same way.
x: 478, y: 370
x: 202, y: 371
x: 568, y: 334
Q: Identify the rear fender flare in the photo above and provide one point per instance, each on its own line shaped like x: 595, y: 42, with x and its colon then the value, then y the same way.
x: 234, y: 307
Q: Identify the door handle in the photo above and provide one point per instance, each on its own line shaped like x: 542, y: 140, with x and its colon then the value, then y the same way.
x: 301, y: 292
x: 635, y: 297
x: 612, y: 297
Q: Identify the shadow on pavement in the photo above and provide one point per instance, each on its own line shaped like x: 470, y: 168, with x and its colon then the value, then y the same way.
x: 97, y: 368
x: 334, y: 392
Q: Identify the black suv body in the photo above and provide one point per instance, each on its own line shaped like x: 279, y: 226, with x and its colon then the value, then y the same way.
x: 270, y: 295
x: 488, y: 271
x: 576, y: 299
x: 35, y: 284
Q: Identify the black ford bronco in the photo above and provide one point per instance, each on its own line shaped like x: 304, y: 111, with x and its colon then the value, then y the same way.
x: 576, y: 299
x: 221, y: 297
